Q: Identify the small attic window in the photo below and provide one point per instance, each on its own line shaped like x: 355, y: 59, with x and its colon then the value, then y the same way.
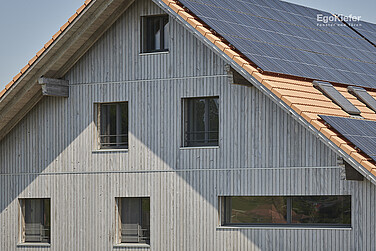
x: 363, y: 96
x: 155, y: 34
x: 336, y: 97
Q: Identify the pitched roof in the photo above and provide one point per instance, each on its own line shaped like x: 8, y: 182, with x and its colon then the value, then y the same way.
x: 57, y: 56
x: 226, y: 24
x: 283, y: 67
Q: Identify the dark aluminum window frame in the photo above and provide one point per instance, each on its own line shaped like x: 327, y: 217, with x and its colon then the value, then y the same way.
x: 224, y: 215
x: 103, y: 136
x: 149, y: 30
x: 187, y: 121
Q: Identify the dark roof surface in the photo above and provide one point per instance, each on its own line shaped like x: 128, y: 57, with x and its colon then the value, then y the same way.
x: 362, y: 133
x: 286, y: 38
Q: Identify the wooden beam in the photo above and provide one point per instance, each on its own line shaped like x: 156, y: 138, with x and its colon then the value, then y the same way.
x: 351, y: 173
x: 54, y: 87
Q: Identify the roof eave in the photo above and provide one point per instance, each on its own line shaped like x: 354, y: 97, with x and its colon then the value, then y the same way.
x: 57, y: 57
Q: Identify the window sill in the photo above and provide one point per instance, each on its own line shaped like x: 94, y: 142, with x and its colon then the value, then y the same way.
x: 109, y: 150
x: 285, y: 227
x: 33, y: 244
x: 153, y: 53
x: 131, y: 245
x: 198, y: 147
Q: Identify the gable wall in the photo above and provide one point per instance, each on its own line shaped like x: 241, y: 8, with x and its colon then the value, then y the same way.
x: 263, y: 151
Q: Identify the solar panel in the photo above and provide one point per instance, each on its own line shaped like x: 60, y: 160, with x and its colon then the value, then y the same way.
x: 287, y: 38
x: 360, y: 132
x: 363, y: 96
x: 336, y: 96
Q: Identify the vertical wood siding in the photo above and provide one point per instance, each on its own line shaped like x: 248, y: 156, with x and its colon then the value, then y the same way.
x: 52, y: 153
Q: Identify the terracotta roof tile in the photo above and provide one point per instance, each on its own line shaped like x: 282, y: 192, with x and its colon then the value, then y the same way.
x: 193, y: 22
x: 24, y: 69
x: 309, y: 116
x: 9, y: 85
x: 55, y: 36
x: 241, y: 61
x: 33, y: 60
x: 15, y: 78
x: 184, y: 15
x: 2, y: 92
x: 64, y: 26
x: 367, y: 164
x: 175, y: 7
x: 221, y: 45
x: 48, y: 43
x: 72, y: 18
x: 40, y: 52
x: 79, y: 10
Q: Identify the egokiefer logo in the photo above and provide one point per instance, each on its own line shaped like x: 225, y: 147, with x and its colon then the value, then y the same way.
x: 337, y: 20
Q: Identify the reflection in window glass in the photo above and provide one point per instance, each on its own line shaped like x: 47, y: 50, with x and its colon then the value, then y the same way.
x: 321, y: 209
x: 333, y: 210
x: 113, y: 125
x: 155, y: 34
x: 201, y: 121
x: 257, y: 210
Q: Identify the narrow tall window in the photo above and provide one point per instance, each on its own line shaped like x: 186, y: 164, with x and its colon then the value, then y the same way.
x: 155, y: 34
x: 35, y: 220
x: 334, y: 210
x: 113, y: 125
x: 200, y: 121
x: 135, y: 220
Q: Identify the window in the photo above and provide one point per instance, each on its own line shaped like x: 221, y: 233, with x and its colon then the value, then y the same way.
x: 283, y: 210
x: 155, y: 34
x: 134, y: 215
x: 35, y: 220
x: 201, y: 121
x: 328, y: 90
x: 113, y: 125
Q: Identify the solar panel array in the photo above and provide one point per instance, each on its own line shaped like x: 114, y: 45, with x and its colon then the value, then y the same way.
x: 286, y: 38
x: 368, y: 30
x: 361, y: 133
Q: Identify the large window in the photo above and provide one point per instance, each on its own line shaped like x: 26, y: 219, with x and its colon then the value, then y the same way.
x: 134, y: 214
x: 35, y: 220
x: 332, y: 210
x: 200, y: 121
x: 155, y: 35
x: 113, y: 125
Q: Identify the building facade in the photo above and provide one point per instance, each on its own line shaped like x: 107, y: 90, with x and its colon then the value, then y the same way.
x: 53, y: 153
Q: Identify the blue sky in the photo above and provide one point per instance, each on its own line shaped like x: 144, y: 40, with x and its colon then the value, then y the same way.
x: 26, y: 25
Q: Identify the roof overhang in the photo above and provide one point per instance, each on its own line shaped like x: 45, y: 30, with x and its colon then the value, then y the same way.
x: 57, y: 57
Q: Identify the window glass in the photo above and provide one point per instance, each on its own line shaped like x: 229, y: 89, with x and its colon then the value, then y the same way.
x: 321, y: 209
x: 114, y: 125
x: 257, y: 210
x: 135, y: 220
x: 201, y: 122
x: 333, y: 210
x: 37, y: 220
x: 155, y: 34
